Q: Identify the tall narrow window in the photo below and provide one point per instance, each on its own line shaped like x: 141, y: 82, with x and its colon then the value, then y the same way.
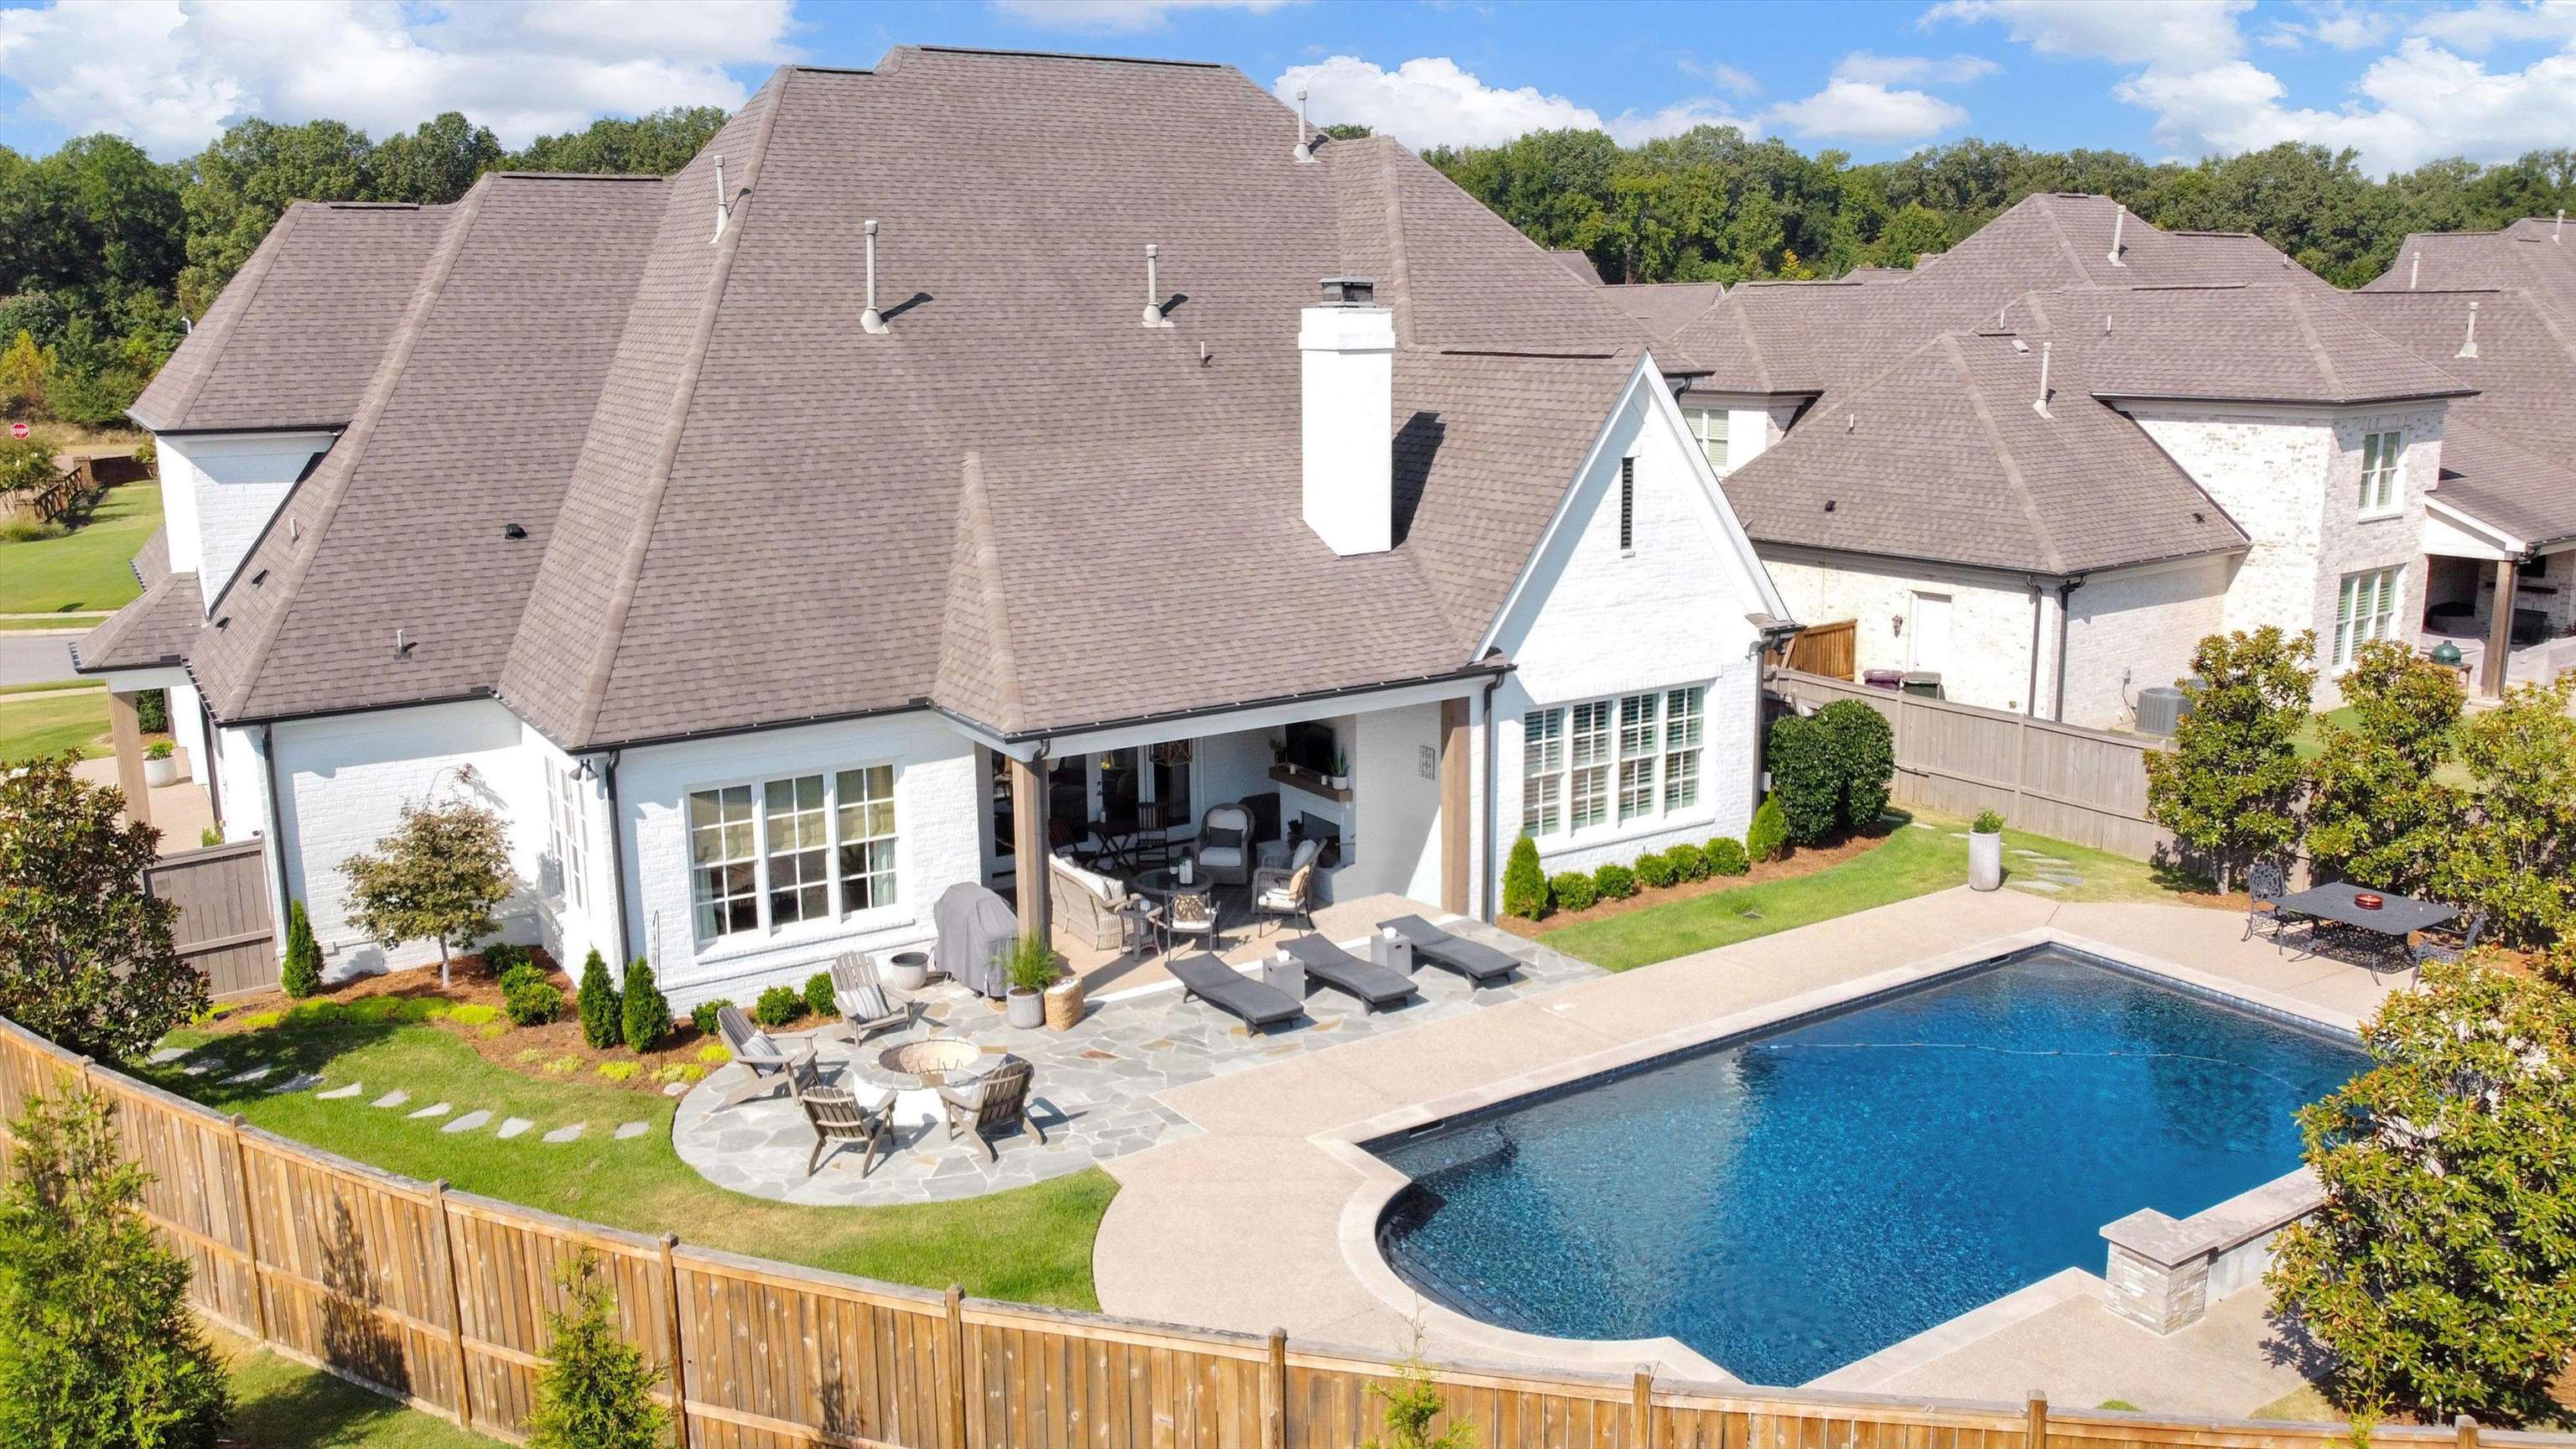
x: 724, y: 861
x: 800, y: 881
x: 1708, y: 428
x: 2380, y: 492
x: 2365, y: 609
x: 1542, y: 772
x: 1637, y: 751
x: 1627, y: 505
x: 566, y: 837
x: 1590, y: 793
x: 866, y: 800
x: 1682, y: 709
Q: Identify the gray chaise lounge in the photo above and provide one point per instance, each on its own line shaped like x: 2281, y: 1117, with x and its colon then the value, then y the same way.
x: 1475, y: 960
x: 1221, y: 986
x: 1378, y: 987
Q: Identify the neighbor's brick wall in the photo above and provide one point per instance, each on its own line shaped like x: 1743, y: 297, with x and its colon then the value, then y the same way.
x: 2145, y: 622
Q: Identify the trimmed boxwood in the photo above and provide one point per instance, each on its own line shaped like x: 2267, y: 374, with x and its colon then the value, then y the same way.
x: 1615, y: 882
x: 1768, y: 837
x: 530, y: 999
x: 1864, y: 750
x: 1806, y: 778
x: 1725, y: 857
x: 1573, y: 891
x: 778, y: 1006
x: 1656, y: 869
x: 1524, y: 883
x: 703, y: 1015
x: 1689, y: 861
x: 818, y: 993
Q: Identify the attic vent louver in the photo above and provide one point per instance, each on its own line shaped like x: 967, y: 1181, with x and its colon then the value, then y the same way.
x: 2469, y: 344
x: 1153, y: 289
x: 872, y: 321
x: 1304, y: 151
x: 514, y: 531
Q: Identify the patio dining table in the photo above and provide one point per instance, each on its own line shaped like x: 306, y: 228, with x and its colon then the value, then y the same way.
x: 2391, y: 922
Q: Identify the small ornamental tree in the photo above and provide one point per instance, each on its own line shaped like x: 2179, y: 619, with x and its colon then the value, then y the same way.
x: 25, y: 463
x: 1413, y: 1402
x: 2516, y: 855
x: 439, y: 877
x: 1864, y: 751
x: 1524, y: 883
x: 2442, y: 1268
x: 301, y: 974
x: 22, y: 376
x: 596, y: 1389
x: 98, y: 1348
x: 1804, y: 778
x: 2376, y: 814
x: 86, y: 958
x: 647, y: 1018
x: 2230, y: 787
x: 603, y: 1011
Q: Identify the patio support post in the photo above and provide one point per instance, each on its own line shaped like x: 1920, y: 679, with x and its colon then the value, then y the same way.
x: 1453, y: 805
x: 127, y: 730
x: 2491, y: 670
x: 1029, y: 843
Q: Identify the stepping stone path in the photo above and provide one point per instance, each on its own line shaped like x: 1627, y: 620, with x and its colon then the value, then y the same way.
x: 200, y: 1069
x: 564, y: 1134
x: 166, y: 1055
x: 512, y: 1127
x: 2045, y: 887
x: 253, y: 1075
x: 341, y: 1093
x: 633, y: 1130
x: 675, y: 1089
x: 468, y: 1122
x: 434, y: 1109
x: 394, y: 1098
x: 300, y: 1082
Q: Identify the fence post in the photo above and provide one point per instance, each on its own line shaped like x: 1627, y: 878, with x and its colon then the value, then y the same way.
x: 250, y: 1229
x: 1279, y: 1388
x: 957, y: 1358
x: 455, y: 1306
x: 1641, y: 1397
x: 2021, y: 763
x: 2466, y: 1429
x: 679, y: 1352
x: 2036, y: 1436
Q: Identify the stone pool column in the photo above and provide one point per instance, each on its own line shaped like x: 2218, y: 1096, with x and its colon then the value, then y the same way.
x: 2164, y: 1272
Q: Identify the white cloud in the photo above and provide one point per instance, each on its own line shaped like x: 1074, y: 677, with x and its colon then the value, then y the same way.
x: 170, y: 74
x: 1721, y: 75
x: 2173, y: 33
x: 1873, y: 69
x: 2476, y: 27
x: 1868, y: 113
x: 2335, y: 25
x: 1117, y: 15
x: 1429, y: 101
x: 2417, y: 103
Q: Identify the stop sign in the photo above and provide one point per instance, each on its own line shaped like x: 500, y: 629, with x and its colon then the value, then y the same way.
x: 17, y: 430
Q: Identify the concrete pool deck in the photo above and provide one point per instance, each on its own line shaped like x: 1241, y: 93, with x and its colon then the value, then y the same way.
x: 1273, y: 1205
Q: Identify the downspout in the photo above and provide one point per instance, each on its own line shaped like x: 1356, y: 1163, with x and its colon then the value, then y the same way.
x: 2057, y: 706
x: 617, y: 865
x: 276, y: 823
x: 2030, y: 697
x: 1493, y: 886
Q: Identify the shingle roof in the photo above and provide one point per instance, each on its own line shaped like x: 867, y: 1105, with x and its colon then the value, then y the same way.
x: 2242, y: 344
x: 2534, y: 253
x: 1665, y: 308
x: 1579, y: 262
x: 2504, y: 450
x: 155, y: 629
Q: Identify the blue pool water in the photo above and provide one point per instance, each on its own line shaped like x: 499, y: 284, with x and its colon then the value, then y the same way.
x: 1792, y: 1202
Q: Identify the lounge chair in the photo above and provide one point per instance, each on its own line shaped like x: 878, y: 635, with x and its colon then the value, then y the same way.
x: 1475, y: 960
x: 866, y: 1005
x: 1377, y: 987
x: 771, y: 1066
x: 1226, y: 989
x: 991, y: 1104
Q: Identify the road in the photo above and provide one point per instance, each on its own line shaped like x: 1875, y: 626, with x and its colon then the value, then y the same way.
x: 34, y: 658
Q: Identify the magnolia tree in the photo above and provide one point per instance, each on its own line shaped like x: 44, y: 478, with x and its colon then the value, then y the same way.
x: 2515, y: 854
x: 2378, y: 812
x: 2230, y: 787
x: 441, y: 876
x: 2442, y: 1268
x: 86, y: 957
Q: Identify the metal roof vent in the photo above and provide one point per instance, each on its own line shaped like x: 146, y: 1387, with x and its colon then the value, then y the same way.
x: 2039, y: 404
x: 2557, y: 233
x: 1304, y: 150
x: 2469, y: 344
x: 1349, y: 291
x: 1154, y: 314
x: 2119, y: 221
x: 514, y: 531
x: 872, y: 321
x: 2415, y: 271
x: 724, y: 205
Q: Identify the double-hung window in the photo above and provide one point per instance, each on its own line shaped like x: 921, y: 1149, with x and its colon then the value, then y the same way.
x: 1638, y: 745
x: 1542, y: 772
x: 2381, y: 490
x: 815, y: 847
x: 566, y: 836
x: 1589, y: 792
x: 1682, y: 710
x: 2365, y: 609
x: 1637, y: 754
x: 1708, y: 426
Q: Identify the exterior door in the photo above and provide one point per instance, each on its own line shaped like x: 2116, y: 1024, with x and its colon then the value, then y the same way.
x: 1931, y: 633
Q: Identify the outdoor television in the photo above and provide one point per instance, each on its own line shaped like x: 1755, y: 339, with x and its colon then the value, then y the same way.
x: 1310, y: 746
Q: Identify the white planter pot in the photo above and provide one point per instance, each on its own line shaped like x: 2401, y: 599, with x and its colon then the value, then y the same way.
x: 1985, y: 861
x: 157, y: 773
x: 907, y: 970
x: 1027, y: 1009
x: 1338, y: 782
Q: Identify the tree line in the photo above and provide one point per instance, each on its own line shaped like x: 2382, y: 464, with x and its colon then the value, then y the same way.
x: 106, y: 254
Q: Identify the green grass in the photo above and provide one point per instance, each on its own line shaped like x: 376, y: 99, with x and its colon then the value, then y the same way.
x: 49, y: 622
x: 1031, y: 1244
x: 50, y: 686
x: 2310, y: 743
x: 86, y: 569
x: 48, y: 723
x: 281, y: 1404
x: 1907, y: 863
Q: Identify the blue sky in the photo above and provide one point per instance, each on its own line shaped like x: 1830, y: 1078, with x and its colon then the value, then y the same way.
x: 2402, y: 83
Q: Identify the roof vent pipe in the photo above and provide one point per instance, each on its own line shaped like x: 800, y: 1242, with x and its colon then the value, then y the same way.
x: 2415, y: 271
x: 1154, y: 316
x: 2558, y: 233
x: 2119, y: 221
x: 872, y: 321
x: 724, y: 210
x: 2469, y: 345
x: 2039, y: 404
x: 1305, y: 148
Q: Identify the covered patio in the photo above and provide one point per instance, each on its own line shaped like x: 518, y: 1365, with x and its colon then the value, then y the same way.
x: 2498, y: 588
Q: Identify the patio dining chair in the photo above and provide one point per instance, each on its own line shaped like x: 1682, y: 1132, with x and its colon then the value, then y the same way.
x: 1189, y: 915
x: 865, y: 1004
x: 1288, y: 892
x: 2432, y: 948
x: 839, y: 1118
x: 771, y: 1065
x: 992, y: 1104
x: 2265, y: 884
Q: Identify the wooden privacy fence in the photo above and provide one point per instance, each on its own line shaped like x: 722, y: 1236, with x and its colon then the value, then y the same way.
x: 440, y: 1299
x: 223, y: 930
x: 1831, y: 650
x: 2087, y: 786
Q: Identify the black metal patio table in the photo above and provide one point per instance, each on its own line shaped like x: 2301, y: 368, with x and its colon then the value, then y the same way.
x: 2391, y: 922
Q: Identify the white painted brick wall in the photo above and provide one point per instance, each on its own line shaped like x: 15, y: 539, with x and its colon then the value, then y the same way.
x: 1989, y: 656
x: 2141, y: 622
x: 218, y: 491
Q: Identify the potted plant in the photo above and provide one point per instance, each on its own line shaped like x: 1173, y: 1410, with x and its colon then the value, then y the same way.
x: 160, y: 765
x: 907, y: 970
x: 1341, y: 771
x: 1279, y: 749
x: 1986, y: 851
x: 1029, y: 963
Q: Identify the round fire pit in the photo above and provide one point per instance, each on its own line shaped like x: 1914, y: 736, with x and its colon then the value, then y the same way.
x: 931, y: 1059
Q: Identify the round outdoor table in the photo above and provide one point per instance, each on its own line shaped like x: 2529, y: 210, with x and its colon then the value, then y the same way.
x: 1162, y: 884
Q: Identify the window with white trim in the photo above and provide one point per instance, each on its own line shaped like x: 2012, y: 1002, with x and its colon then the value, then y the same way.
x: 1588, y: 789
x: 2365, y: 609
x: 1637, y: 755
x: 1542, y: 772
x: 1708, y: 427
x: 2380, y: 490
x: 1638, y: 739
x: 566, y: 835
x: 1682, y: 711
x: 785, y: 852
x: 1627, y: 505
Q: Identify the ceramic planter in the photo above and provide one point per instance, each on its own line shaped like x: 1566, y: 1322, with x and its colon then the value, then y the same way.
x: 160, y: 772
x: 1027, y: 1009
x: 1985, y: 861
x: 908, y: 970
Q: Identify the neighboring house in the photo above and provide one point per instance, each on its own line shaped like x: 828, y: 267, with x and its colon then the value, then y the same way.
x: 951, y: 450
x: 2039, y: 468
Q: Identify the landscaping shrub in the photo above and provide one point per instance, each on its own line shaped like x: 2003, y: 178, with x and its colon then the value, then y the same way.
x: 531, y: 1000
x: 621, y: 1071
x: 818, y: 994
x: 715, y: 1054
x: 301, y: 976
x: 1726, y: 857
x: 603, y: 1022
x: 703, y: 1015
x: 596, y: 1389
x: 1615, y: 882
x: 778, y: 1006
x: 523, y: 974
x: 473, y: 1014
x: 2515, y: 855
x: 1689, y: 861
x: 440, y: 876
x: 1864, y: 751
x: 501, y: 958
x: 1573, y: 891
x: 1768, y: 836
x: 1524, y: 883
x: 648, y: 1012
x: 1805, y: 780
x: 2229, y: 788
x: 152, y: 716
x: 1657, y: 869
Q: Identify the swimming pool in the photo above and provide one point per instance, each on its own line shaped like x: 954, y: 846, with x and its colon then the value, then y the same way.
x: 1789, y: 1202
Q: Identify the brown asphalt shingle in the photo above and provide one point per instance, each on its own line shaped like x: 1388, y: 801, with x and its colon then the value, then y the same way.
x: 2505, y: 450
x: 156, y: 629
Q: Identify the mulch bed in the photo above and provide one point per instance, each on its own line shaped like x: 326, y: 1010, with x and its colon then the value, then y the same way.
x: 1799, y: 861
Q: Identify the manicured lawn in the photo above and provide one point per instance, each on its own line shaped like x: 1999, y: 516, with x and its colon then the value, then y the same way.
x: 51, y: 622
x: 280, y: 1404
x: 1909, y: 862
x: 1032, y: 1245
x: 86, y: 569
x: 48, y: 722
x: 2310, y: 743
